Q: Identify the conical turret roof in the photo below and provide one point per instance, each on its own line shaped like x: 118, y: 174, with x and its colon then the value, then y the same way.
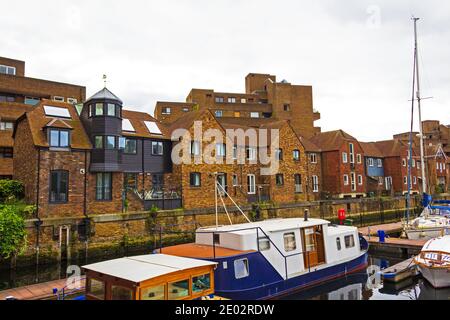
x: 105, y: 94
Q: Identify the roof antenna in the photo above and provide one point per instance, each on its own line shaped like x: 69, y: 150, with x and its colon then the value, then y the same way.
x: 104, y: 79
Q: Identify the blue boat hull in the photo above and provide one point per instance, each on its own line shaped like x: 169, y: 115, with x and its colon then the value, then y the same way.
x: 264, y: 282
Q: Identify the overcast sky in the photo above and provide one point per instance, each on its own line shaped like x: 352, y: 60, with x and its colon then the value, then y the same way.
x: 356, y: 54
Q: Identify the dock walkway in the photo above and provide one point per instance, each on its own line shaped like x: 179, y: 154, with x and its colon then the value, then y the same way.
x: 40, y: 291
x: 388, y: 228
x: 396, y: 245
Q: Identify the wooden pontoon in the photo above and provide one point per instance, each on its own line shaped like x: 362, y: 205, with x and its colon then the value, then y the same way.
x: 150, y: 277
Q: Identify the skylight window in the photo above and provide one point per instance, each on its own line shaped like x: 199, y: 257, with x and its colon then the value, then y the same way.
x: 57, y: 112
x: 152, y: 127
x: 127, y: 126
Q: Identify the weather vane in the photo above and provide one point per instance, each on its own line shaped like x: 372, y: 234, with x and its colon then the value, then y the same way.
x: 104, y: 79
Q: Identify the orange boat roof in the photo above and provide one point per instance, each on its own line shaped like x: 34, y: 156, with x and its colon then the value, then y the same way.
x: 192, y: 250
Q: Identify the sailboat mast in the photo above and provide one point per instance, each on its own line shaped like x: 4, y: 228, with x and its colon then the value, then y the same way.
x: 422, y: 148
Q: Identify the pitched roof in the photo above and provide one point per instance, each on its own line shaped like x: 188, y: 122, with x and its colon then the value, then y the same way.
x: 104, y: 94
x: 137, y: 120
x: 10, y: 111
x: 331, y: 140
x: 371, y: 150
x: 38, y: 121
x: 390, y: 148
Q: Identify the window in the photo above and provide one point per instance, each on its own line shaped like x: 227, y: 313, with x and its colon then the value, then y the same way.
x: 157, y: 148
x: 296, y: 155
x: 96, y: 288
x: 185, y: 109
x: 131, y: 181
x: 279, y: 179
x: 235, y: 180
x: 167, y: 110
x: 6, y: 152
x: 32, y: 101
x: 110, y: 142
x: 251, y: 154
x: 251, y: 184
x: 287, y: 107
x: 59, y: 186
x: 219, y: 100
x: 346, y: 180
x: 353, y: 181
x: 6, y: 126
x: 404, y: 162
x: 111, y: 110
x: 254, y: 114
x: 405, y: 180
x: 360, y: 180
x: 264, y: 244
x: 195, y: 179
x: 7, y: 70
x: 130, y: 146
x: 289, y: 242
x: 59, y: 138
x: 59, y: 99
x: 279, y: 154
x: 154, y: 293
x: 220, y: 150
x: 99, y: 109
x: 103, y: 187
x: 201, y: 283
x: 231, y: 100
x: 359, y: 158
x: 243, y: 100
x: 338, y: 244
x: 241, y: 269
x: 235, y: 152
x: 352, y: 152
x: 380, y: 163
x: 219, y: 113
x: 344, y: 157
x: 298, y: 183
x: 313, y: 158
x: 418, y: 165
x: 98, y: 142
x: 237, y: 114
x: 178, y: 290
x: 4, y: 98
x: 349, y: 241
x: 315, y: 184
x: 413, y: 163
x: 415, y: 180
x: 72, y: 100
x: 195, y: 148
x: 370, y: 162
x: 120, y: 293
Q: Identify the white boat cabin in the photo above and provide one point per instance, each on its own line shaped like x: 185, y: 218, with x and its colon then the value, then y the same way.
x: 292, y: 245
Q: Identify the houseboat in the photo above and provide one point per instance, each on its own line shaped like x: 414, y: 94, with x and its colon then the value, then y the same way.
x: 150, y: 277
x: 272, y: 258
x: 434, y: 262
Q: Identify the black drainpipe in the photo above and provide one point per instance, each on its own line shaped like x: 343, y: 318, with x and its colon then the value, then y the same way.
x: 85, y: 185
x: 39, y: 222
x: 143, y: 171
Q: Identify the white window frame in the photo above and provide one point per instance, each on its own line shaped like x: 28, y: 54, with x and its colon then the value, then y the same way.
x: 252, y: 154
x: 313, y: 158
x: 346, y: 180
x: 218, y: 113
x: 9, y: 68
x: 360, y: 180
x: 404, y: 162
x: 353, y: 181
x: 352, y: 152
x: 231, y: 100
x: 415, y: 180
x: 221, y: 150
x: 405, y: 180
x: 251, y: 184
x: 59, y: 99
x: 195, y: 149
x: 235, y: 180
x: 418, y: 164
x: 315, y: 182
x: 166, y: 110
x: 344, y: 157
x: 243, y: 100
x: 380, y: 163
x: 371, y: 163
x: 254, y: 115
x: 359, y: 158
x: 246, y: 264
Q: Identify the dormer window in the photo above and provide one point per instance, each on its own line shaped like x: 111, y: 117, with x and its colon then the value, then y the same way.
x: 166, y: 110
x: 59, y: 138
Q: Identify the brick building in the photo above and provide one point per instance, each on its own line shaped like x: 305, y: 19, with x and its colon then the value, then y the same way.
x: 264, y: 97
x: 19, y: 94
x: 374, y: 169
x: 343, y: 172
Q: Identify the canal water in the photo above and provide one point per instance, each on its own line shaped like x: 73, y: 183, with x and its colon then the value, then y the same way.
x: 362, y: 286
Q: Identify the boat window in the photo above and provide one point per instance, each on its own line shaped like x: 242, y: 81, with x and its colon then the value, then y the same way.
x: 310, y: 244
x: 241, y: 268
x: 121, y: 293
x: 338, y: 243
x: 201, y: 283
x: 289, y: 242
x: 178, y: 290
x: 264, y: 244
x: 349, y: 241
x: 154, y: 293
x: 96, y: 288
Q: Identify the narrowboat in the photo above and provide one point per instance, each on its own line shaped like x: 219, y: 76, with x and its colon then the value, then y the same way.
x: 150, y: 277
x: 272, y: 258
x: 434, y: 262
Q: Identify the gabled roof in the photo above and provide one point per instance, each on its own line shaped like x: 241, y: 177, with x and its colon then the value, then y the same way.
x: 137, y: 121
x: 371, y: 150
x: 104, y: 94
x: 58, y: 123
x: 391, y: 148
x: 38, y: 121
x: 332, y: 140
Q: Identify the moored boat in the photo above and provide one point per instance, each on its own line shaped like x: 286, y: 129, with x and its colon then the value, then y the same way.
x: 434, y: 262
x: 272, y: 258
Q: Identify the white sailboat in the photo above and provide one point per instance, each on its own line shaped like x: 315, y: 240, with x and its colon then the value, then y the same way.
x: 431, y: 223
x: 434, y: 262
